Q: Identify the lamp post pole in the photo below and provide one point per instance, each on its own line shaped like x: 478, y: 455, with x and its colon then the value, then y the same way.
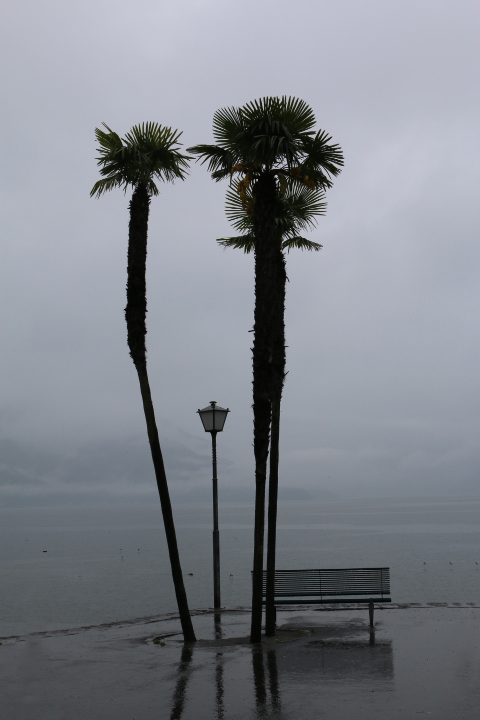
x: 216, y: 533
x: 213, y: 419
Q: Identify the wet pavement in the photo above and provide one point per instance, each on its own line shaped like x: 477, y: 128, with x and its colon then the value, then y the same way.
x: 324, y: 663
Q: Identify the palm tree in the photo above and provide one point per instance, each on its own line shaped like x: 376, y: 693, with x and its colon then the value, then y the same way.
x: 297, y: 209
x: 149, y: 152
x: 267, y: 142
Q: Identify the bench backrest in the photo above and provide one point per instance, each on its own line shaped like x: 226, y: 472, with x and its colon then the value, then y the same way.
x: 331, y: 583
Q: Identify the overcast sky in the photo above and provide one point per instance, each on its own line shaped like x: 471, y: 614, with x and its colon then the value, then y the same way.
x: 382, y: 393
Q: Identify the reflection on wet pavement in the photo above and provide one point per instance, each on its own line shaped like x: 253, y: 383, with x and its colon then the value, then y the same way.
x: 259, y: 680
x: 318, y: 656
x: 273, y: 681
x: 303, y: 658
x: 335, y: 652
x: 267, y: 705
x: 219, y: 691
x: 217, y: 621
x: 320, y: 666
x: 185, y: 671
x: 181, y: 686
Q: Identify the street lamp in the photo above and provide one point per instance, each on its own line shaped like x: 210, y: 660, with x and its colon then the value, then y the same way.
x: 213, y: 418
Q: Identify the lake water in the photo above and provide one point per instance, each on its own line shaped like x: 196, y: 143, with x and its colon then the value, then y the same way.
x: 109, y: 564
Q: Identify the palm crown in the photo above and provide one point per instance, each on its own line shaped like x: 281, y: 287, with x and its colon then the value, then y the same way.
x: 271, y: 135
x: 148, y: 152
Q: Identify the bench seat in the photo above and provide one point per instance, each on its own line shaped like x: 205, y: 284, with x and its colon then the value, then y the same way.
x: 337, y: 585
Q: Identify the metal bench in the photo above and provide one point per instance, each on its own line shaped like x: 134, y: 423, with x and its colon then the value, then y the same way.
x: 318, y: 587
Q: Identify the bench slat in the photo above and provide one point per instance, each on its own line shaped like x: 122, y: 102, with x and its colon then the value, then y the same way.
x: 335, y: 582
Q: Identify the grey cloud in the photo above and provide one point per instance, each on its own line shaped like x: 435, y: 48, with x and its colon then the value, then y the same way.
x: 23, y: 465
x: 100, y: 464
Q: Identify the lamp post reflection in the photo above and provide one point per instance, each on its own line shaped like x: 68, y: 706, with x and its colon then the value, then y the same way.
x: 219, y: 689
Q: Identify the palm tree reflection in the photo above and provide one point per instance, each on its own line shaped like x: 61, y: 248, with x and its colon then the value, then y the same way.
x: 179, y: 695
x: 259, y: 681
x: 261, y: 695
x: 273, y: 681
x: 181, y: 687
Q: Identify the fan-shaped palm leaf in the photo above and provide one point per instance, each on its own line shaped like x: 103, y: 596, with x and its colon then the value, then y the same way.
x: 239, y: 242
x: 300, y: 243
x: 297, y: 210
x: 247, y: 243
x: 147, y: 153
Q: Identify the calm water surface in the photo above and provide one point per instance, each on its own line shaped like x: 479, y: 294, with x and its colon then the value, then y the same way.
x: 108, y: 564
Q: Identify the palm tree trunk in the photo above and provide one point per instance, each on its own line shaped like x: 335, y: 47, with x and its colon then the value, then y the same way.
x: 181, y: 595
x: 135, y: 314
x: 272, y: 520
x: 265, y: 242
x: 278, y: 377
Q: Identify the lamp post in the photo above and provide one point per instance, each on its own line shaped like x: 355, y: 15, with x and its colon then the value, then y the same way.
x: 213, y: 419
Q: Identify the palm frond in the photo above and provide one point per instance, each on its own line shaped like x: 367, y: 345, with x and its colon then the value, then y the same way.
x: 240, y: 242
x: 103, y: 186
x: 227, y: 126
x: 301, y: 207
x: 297, y: 209
x: 320, y: 155
x: 220, y: 160
x: 235, y: 211
x: 300, y: 243
x: 276, y: 116
x: 247, y: 243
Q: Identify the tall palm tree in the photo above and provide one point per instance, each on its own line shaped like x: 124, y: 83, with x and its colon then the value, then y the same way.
x: 149, y: 152
x: 267, y: 142
x: 297, y: 210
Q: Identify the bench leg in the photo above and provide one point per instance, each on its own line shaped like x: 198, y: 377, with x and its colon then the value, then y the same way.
x: 370, y: 612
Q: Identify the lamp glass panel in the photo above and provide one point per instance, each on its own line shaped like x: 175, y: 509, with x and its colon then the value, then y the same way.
x: 220, y: 417
x: 206, y: 416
